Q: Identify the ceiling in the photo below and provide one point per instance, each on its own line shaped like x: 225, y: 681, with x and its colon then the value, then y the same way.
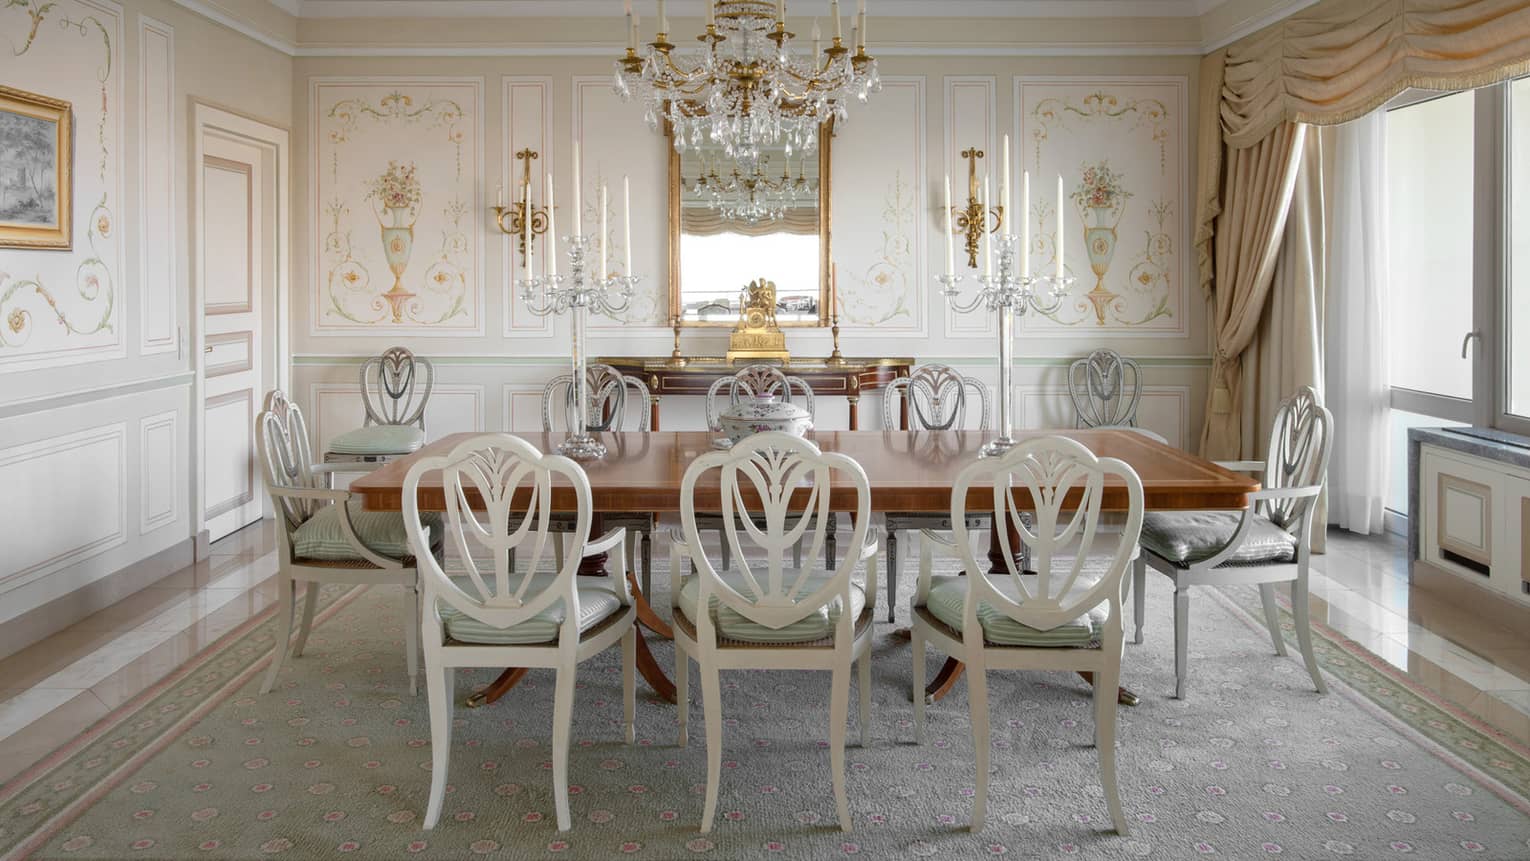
x: 676, y: 8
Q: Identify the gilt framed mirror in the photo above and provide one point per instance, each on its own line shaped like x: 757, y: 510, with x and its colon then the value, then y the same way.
x: 733, y: 223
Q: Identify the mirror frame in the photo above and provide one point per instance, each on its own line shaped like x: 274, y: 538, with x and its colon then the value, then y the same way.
x: 825, y: 236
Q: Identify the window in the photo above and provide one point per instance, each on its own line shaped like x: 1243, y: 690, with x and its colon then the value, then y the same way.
x: 1516, y: 321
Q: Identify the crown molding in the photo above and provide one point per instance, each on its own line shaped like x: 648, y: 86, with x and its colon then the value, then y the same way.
x: 241, y: 27
x: 1058, y: 49
x: 1216, y: 41
x: 447, y: 9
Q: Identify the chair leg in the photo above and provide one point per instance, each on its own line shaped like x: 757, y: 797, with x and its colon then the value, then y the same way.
x: 1301, y: 611
x: 892, y: 574
x: 563, y: 723
x: 916, y: 641
x: 1105, y: 708
x: 839, y: 706
x: 647, y: 544
x: 558, y: 550
x: 830, y: 542
x: 797, y: 555
x: 1181, y: 637
x: 310, y: 603
x: 977, y: 698
x: 1139, y: 597
x: 438, y: 694
x: 629, y: 683
x: 1272, y: 616
x: 711, y: 709
x: 726, y: 553
x: 683, y: 691
x: 412, y: 620
x: 283, y: 632
x: 863, y: 689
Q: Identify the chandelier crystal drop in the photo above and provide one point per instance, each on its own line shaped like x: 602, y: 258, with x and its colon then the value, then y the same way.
x: 753, y: 198
x: 747, y: 89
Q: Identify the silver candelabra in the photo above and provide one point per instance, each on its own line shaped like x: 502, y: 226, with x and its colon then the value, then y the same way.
x: 579, y: 293
x: 1009, y: 292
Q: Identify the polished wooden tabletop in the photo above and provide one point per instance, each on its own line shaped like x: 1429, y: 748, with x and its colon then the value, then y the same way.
x: 908, y: 471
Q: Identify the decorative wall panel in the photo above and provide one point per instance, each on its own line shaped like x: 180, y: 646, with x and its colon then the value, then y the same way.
x: 396, y: 211
x: 879, y: 210
x: 159, y: 458
x: 157, y: 287
x: 971, y: 121
x: 526, y: 112
x: 60, y: 307
x: 1121, y: 147
x: 613, y: 141
x: 86, y: 513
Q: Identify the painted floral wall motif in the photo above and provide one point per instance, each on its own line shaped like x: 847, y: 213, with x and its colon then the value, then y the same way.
x: 397, y: 166
x: 882, y: 291
x: 1120, y: 147
x: 62, y: 306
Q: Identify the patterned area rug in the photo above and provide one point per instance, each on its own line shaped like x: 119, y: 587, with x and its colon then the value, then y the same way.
x: 335, y: 762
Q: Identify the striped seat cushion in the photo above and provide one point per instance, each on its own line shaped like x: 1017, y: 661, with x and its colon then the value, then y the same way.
x: 322, y: 537
x: 598, y: 601
x: 1187, y: 537
x: 734, y: 626
x: 379, y: 439
x: 948, y: 596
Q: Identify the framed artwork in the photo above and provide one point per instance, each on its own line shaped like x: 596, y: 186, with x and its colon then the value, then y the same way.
x: 36, y: 143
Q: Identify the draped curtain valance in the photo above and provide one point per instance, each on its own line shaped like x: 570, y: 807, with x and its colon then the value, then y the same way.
x: 801, y: 221
x: 1341, y: 59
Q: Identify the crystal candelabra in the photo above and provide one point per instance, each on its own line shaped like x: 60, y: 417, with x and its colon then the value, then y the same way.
x: 579, y: 293
x: 1010, y: 292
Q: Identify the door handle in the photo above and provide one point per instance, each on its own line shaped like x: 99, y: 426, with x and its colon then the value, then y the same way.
x: 1475, y: 334
x: 208, y: 349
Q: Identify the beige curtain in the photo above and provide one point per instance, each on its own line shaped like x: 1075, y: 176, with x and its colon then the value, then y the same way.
x: 1257, y: 182
x: 1341, y: 59
x: 802, y: 221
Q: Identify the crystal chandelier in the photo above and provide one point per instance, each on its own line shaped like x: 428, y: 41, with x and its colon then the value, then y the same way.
x: 745, y: 89
x: 753, y: 198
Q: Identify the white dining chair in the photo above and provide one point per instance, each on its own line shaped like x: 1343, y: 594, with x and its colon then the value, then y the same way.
x: 324, y: 536
x: 1266, y: 543
x: 500, y: 616
x: 1064, y: 615
x: 934, y: 397
x: 1106, y: 388
x: 763, y: 614
x: 395, y: 388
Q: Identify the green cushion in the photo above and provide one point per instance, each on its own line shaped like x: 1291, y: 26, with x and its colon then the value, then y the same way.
x: 734, y: 626
x: 1188, y: 537
x: 379, y: 439
x: 322, y: 537
x: 597, y: 601
x: 948, y: 596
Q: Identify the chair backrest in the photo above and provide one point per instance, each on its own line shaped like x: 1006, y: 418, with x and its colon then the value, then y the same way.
x: 1300, y: 444
x: 936, y: 396
x: 1065, y: 483
x: 395, y: 387
x: 499, y: 491
x: 1105, y: 388
x: 751, y: 381
x: 286, y: 460
x: 761, y: 482
x: 607, y: 397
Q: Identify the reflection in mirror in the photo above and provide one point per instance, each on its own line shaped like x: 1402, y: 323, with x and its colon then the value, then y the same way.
x: 739, y: 223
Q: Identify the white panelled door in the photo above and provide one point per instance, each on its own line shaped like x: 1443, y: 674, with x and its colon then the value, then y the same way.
x: 236, y: 200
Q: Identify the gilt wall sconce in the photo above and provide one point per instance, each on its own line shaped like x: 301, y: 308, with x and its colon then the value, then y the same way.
x: 973, y: 220
x: 512, y: 219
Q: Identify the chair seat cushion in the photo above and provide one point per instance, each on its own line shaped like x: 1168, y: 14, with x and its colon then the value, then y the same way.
x: 322, y: 537
x: 734, y: 626
x: 948, y: 597
x: 1188, y: 537
x: 598, y: 601
x: 379, y: 439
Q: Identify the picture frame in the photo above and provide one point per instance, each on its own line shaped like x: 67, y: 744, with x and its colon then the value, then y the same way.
x: 36, y: 183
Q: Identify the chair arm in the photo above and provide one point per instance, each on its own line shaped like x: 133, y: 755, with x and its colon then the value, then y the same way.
x: 936, y: 537
x: 1242, y: 465
x: 868, y: 555
x: 606, y: 542
x: 345, y: 467
x: 679, y: 550
x: 338, y: 496
x: 873, y: 544
x: 1228, y: 550
x: 1286, y: 492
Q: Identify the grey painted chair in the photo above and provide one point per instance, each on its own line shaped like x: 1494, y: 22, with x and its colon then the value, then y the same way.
x: 749, y: 381
x: 937, y: 398
x: 613, y: 398
x: 1106, y: 388
x: 1266, y: 543
x: 395, y: 387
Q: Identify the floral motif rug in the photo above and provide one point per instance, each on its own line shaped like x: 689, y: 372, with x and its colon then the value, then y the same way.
x: 335, y: 762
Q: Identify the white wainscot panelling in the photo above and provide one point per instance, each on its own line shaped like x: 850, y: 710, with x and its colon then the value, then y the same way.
x: 76, y: 506
x: 453, y: 408
x: 1163, y: 409
x: 156, y: 194
x: 971, y: 120
x: 159, y: 455
x: 523, y: 408
x: 526, y: 113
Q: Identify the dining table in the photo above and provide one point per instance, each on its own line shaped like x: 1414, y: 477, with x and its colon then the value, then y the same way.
x: 907, y: 470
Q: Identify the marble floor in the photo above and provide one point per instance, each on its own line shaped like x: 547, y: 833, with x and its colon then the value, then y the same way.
x: 56, y: 688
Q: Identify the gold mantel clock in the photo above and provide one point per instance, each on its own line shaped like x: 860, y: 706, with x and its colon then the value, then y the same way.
x: 757, y: 336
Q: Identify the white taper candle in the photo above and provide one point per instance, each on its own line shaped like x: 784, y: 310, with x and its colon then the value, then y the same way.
x: 552, y: 229
x: 1004, y: 189
x: 1060, y: 220
x: 627, y: 224
x: 526, y: 232
x: 950, y: 233
x: 578, y: 195
x: 1025, y: 223
x: 601, y: 272
x: 987, y: 234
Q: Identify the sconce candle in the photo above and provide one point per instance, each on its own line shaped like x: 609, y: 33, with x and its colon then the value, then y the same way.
x: 601, y: 272
x: 578, y: 198
x: 987, y: 234
x: 627, y: 224
x: 950, y: 232
x: 552, y: 228
x: 1059, y: 227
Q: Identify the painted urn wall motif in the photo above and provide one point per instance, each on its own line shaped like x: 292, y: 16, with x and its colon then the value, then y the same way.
x: 395, y: 195
x: 760, y: 413
x: 1100, y: 199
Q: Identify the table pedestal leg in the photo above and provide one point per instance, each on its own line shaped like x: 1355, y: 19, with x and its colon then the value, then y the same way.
x: 952, y: 670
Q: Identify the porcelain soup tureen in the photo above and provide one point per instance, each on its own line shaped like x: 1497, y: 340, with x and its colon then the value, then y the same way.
x: 760, y: 413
